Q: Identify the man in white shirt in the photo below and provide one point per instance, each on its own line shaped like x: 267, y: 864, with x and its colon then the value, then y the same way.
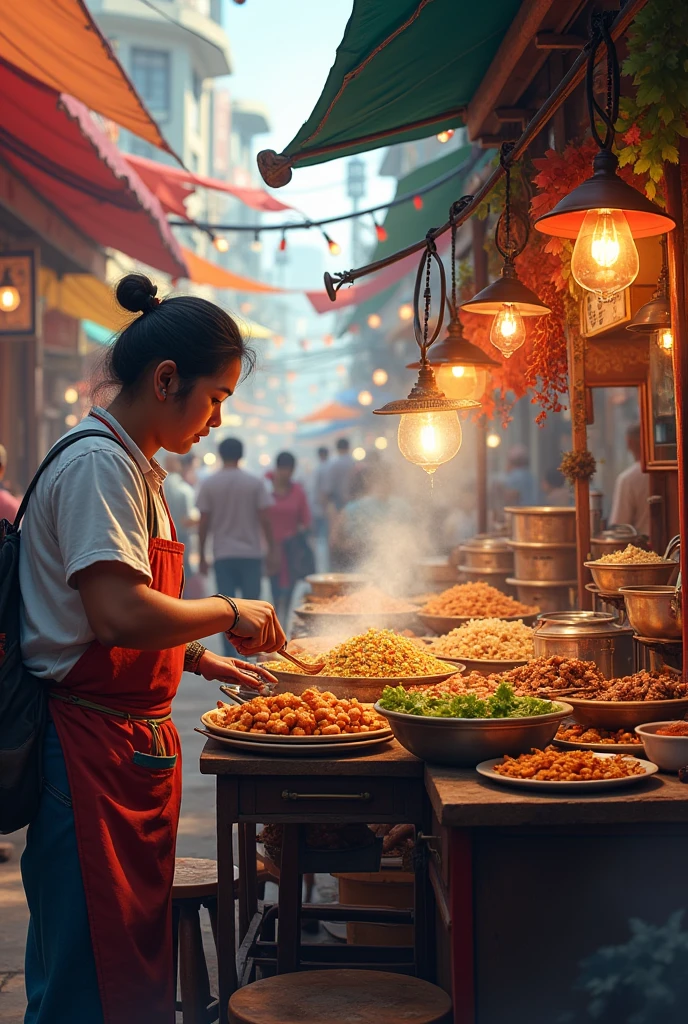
x: 339, y: 476
x: 632, y: 489
x: 233, y: 507
x: 181, y: 503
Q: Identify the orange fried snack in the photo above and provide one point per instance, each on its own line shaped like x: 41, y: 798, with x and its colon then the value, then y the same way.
x: 312, y: 713
x: 587, y: 734
x: 552, y: 765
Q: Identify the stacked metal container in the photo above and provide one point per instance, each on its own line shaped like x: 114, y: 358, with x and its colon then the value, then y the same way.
x: 487, y: 559
x: 543, y: 541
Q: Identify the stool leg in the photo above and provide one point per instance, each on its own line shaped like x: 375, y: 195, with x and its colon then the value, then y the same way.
x: 175, y: 949
x: 194, y: 981
x: 289, y: 920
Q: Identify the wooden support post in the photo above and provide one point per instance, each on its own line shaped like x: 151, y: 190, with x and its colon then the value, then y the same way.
x: 676, y: 179
x: 480, y: 279
x: 576, y: 356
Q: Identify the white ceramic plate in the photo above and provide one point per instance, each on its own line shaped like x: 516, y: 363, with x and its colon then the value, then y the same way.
x: 486, y: 769
x: 257, y: 737
x: 302, y: 749
x: 633, y: 749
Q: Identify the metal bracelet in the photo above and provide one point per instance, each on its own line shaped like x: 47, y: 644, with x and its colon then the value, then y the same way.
x: 192, y: 658
x: 232, y: 603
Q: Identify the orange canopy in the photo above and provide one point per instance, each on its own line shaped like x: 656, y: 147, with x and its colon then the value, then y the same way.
x: 331, y: 411
x: 204, y: 272
x: 59, y: 43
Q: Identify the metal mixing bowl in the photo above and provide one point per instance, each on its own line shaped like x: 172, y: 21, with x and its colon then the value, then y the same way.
x: 611, y: 578
x: 625, y: 714
x: 650, y: 611
x: 465, y: 742
x: 332, y: 584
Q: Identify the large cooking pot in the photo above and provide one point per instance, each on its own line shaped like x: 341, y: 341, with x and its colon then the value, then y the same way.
x: 590, y: 636
x: 543, y: 524
x: 484, y: 552
x: 552, y: 562
x: 557, y: 596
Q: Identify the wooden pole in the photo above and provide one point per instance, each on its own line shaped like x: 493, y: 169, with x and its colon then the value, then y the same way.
x: 675, y: 176
x: 576, y: 357
x: 480, y: 280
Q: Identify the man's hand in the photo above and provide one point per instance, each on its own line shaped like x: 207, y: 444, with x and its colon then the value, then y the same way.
x: 231, y: 670
x: 258, y: 628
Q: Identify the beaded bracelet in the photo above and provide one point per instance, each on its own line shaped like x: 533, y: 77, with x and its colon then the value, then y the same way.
x: 192, y: 657
x: 230, y: 601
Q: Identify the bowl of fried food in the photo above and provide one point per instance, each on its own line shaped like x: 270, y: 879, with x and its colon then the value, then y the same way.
x: 464, y: 729
x: 666, y: 743
x: 631, y: 700
x: 362, y: 607
x: 631, y: 567
x: 487, y: 646
x: 458, y: 605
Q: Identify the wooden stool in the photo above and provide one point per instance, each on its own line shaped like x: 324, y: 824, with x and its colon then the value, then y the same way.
x: 339, y: 997
x: 195, y: 886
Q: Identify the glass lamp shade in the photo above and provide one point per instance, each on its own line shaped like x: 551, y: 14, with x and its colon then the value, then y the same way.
x: 665, y: 339
x: 429, y: 439
x: 9, y: 298
x: 461, y: 381
x: 605, y: 258
x: 508, y: 331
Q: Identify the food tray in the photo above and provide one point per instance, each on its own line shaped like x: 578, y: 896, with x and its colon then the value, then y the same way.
x: 485, y: 768
x: 298, y: 749
x: 365, y: 689
x: 445, y: 623
x: 257, y: 737
x: 602, y: 748
x: 625, y: 714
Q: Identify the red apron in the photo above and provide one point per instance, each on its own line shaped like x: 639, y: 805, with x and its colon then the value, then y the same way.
x: 125, y: 779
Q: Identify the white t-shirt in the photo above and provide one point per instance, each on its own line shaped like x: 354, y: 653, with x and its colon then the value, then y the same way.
x: 89, y: 506
x: 631, y: 491
x: 232, y: 499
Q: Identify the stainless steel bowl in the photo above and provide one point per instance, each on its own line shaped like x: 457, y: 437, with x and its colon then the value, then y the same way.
x: 650, y: 611
x: 611, y: 578
x: 465, y: 742
x: 333, y: 584
x: 624, y: 714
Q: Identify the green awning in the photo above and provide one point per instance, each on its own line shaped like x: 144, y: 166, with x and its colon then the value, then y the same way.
x: 404, y: 70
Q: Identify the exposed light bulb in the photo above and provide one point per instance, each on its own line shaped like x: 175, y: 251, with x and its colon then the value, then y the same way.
x: 9, y: 298
x: 508, y: 330
x: 381, y: 233
x: 418, y: 202
x: 256, y: 244
x: 380, y: 377
x: 605, y: 258
x: 461, y: 381
x: 374, y: 321
x: 221, y: 243
x: 493, y: 440
x: 429, y: 439
x: 365, y: 398
x: 665, y: 339
x: 446, y: 135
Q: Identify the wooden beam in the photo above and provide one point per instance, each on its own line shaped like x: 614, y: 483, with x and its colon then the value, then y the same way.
x: 49, y: 224
x: 558, y: 41
x: 514, y: 115
x: 579, y: 431
x: 518, y: 36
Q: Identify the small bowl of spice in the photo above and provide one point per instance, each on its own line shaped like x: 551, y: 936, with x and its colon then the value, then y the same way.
x: 666, y: 743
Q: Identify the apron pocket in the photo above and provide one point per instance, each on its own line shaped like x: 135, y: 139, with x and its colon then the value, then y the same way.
x: 154, y: 762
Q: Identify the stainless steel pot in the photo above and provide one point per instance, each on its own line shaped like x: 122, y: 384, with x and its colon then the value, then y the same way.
x: 614, y: 539
x: 548, y: 597
x: 589, y: 636
x: 551, y: 562
x: 543, y: 524
x: 652, y: 611
x: 483, y: 552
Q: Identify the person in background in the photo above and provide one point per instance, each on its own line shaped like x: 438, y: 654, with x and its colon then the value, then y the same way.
x: 9, y: 505
x: 632, y: 489
x: 319, y: 504
x: 518, y: 483
x: 556, y: 490
x: 290, y: 518
x: 181, y: 503
x: 338, y: 484
x: 234, y: 508
x: 373, y: 511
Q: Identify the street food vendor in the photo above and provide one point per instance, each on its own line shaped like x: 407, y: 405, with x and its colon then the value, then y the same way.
x: 632, y: 489
x: 102, y: 622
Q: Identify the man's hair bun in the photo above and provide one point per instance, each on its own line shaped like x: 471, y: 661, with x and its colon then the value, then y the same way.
x: 136, y: 293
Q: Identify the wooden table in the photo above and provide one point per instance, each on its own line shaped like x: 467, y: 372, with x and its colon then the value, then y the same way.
x: 529, y: 886
x: 386, y: 785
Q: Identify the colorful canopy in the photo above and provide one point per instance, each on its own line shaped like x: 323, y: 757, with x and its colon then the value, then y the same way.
x: 59, y: 43
x: 202, y: 271
x: 54, y: 145
x: 332, y: 411
x: 403, y: 71
x: 173, y: 184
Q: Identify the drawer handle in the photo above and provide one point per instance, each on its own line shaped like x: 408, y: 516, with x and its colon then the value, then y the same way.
x: 288, y: 794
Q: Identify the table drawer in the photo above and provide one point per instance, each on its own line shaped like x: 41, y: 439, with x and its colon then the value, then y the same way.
x: 359, y: 797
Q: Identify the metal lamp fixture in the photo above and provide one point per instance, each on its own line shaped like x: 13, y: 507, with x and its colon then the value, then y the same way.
x: 429, y: 431
x: 461, y: 368
x: 507, y: 298
x: 655, y: 316
x: 604, y: 214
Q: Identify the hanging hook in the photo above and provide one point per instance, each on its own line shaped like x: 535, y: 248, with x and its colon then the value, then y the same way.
x: 425, y: 267
x: 600, y: 23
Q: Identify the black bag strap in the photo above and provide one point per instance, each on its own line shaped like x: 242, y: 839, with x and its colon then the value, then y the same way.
x: 151, y: 512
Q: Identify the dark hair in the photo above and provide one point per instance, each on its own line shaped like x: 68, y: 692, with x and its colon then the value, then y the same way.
x: 342, y: 444
x: 231, y: 449
x: 285, y: 460
x: 199, y: 336
x: 323, y: 451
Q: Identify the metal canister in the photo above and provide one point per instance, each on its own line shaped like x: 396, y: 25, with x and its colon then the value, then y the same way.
x: 485, y: 552
x: 552, y: 562
x: 548, y: 596
x: 589, y: 636
x: 543, y: 524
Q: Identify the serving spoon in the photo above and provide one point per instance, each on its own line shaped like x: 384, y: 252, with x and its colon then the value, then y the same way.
x: 308, y: 670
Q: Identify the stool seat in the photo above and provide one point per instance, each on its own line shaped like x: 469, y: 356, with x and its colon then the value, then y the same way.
x: 194, y: 878
x: 340, y: 997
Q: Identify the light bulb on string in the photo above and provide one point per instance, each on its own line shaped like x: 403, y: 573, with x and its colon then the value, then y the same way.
x: 380, y: 231
x: 417, y: 202
x: 605, y: 258
x: 446, y: 135
x: 256, y: 244
x: 334, y: 247
x: 374, y: 321
x: 221, y: 243
x: 283, y: 243
x: 508, y: 331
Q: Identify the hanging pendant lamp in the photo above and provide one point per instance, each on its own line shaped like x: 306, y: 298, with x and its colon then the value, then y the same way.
x: 429, y: 431
x: 507, y: 298
x: 655, y: 316
x: 604, y: 214
x: 461, y: 368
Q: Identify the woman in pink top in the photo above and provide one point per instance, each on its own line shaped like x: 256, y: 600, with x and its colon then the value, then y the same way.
x: 290, y: 517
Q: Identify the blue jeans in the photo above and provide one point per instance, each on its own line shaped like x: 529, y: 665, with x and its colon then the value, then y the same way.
x: 238, y: 577
x: 61, y: 981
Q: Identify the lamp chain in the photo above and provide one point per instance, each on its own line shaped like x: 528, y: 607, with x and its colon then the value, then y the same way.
x: 608, y: 114
x: 426, y: 296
